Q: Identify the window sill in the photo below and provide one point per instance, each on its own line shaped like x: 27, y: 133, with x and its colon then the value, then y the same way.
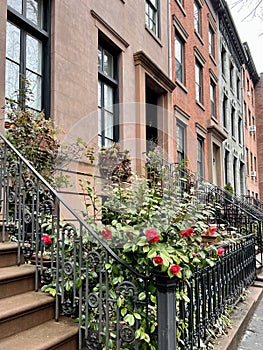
x: 212, y: 59
x: 199, y: 104
x: 182, y: 86
x: 225, y: 129
x: 214, y: 119
x: 181, y: 7
x: 153, y: 35
x: 199, y: 37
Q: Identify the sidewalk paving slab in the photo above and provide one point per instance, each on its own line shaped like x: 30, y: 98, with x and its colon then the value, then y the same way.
x: 240, y: 320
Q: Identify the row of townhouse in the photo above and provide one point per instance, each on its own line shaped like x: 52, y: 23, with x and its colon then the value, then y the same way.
x: 142, y: 73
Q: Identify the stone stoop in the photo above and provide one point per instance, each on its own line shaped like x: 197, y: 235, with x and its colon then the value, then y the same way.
x: 27, y: 317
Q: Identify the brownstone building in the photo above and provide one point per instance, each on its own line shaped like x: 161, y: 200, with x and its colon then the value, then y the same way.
x: 259, y: 128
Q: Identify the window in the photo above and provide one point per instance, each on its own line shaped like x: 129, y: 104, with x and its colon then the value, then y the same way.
x: 245, y: 113
x: 198, y: 82
x: 223, y: 60
x: 238, y: 88
x: 107, y: 92
x: 27, y: 50
x: 240, y: 130
x: 231, y: 75
x: 251, y: 161
x: 226, y: 167
x: 197, y: 17
x: 225, y: 111
x: 181, y: 142
x: 152, y: 15
x: 200, y: 156
x: 179, y: 58
x: 211, y: 39
x: 233, y: 112
x: 213, y: 98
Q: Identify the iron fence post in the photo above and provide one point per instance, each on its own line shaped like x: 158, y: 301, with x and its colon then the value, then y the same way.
x: 166, y: 311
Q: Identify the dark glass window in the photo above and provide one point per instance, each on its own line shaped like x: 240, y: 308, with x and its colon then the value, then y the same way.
x: 198, y: 82
x: 181, y: 142
x: 200, y: 156
x: 197, y: 17
x: 213, y: 98
x: 27, y: 50
x: 107, y: 95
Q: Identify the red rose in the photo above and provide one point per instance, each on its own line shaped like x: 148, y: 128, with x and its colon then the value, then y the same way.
x: 152, y: 235
x: 210, y: 231
x: 47, y: 240
x: 187, y: 232
x: 175, y: 269
x: 220, y: 251
x: 106, y: 233
x: 158, y: 260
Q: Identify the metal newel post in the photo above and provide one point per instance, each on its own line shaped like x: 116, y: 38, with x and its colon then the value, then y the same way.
x: 166, y: 312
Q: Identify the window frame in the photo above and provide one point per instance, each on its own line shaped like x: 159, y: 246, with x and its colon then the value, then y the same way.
x: 181, y: 41
x: 211, y: 41
x: 212, y: 98
x: 104, y: 80
x: 28, y: 27
x: 180, y: 153
x: 197, y: 19
x: 200, y: 156
x: 199, y: 83
x: 156, y: 20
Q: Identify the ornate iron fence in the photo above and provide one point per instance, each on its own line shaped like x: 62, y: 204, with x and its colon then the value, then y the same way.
x: 109, y: 299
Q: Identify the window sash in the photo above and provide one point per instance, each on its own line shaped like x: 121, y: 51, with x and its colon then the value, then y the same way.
x: 213, y: 99
x: 200, y: 156
x: 211, y: 35
x: 197, y: 17
x: 152, y: 15
x: 179, y: 59
x: 198, y: 83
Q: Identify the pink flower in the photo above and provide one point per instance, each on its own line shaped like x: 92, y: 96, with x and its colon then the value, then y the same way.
x: 158, y: 260
x: 152, y: 235
x: 106, y: 233
x: 220, y: 251
x: 210, y: 231
x: 47, y: 240
x: 194, y: 255
x: 175, y: 269
x: 187, y: 232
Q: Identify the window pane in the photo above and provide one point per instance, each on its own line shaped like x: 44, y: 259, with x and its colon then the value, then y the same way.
x: 11, y: 78
x: 99, y: 58
x: 34, y: 11
x: 15, y: 4
x: 108, y: 124
x: 99, y: 94
x: 108, y: 64
x: 12, y: 42
x: 33, y: 54
x: 108, y: 98
x: 35, y: 86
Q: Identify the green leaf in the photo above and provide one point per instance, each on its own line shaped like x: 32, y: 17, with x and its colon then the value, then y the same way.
x: 152, y: 253
x: 119, y: 302
x: 137, y: 316
x: 124, y: 311
x: 129, y: 318
x: 142, y: 296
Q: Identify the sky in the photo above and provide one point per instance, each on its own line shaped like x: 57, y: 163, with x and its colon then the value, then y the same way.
x: 249, y: 30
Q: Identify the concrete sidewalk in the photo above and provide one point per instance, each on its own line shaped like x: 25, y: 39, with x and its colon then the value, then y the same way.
x: 246, y: 332
x: 253, y: 337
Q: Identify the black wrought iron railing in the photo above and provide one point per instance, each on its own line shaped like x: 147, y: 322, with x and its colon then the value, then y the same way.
x: 113, y: 303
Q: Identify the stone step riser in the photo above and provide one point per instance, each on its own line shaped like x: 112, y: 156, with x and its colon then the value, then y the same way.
x: 8, y: 258
x: 16, y: 286
x: 26, y: 320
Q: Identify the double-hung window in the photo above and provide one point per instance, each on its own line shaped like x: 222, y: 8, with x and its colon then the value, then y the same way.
x: 152, y: 16
x: 197, y: 17
x: 200, y: 156
x: 213, y: 98
x: 198, y: 82
x: 179, y: 58
x: 181, y: 142
x: 107, y: 94
x: 211, y: 39
x: 27, y: 51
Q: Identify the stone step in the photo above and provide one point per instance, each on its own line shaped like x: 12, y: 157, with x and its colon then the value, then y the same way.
x: 50, y: 335
x: 8, y: 254
x: 16, y: 279
x: 23, y: 311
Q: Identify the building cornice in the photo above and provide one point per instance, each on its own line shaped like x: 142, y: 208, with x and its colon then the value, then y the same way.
x: 250, y: 65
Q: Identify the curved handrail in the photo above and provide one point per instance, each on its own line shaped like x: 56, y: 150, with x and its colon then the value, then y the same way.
x: 72, y: 211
